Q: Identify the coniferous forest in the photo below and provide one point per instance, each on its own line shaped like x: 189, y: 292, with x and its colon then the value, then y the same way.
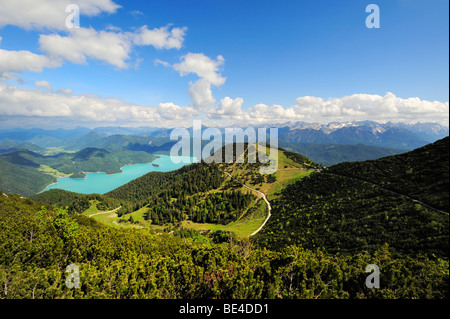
x: 39, y: 242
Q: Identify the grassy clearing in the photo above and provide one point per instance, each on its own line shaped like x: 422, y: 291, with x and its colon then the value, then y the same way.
x: 111, y: 218
x: 51, y: 171
x: 92, y: 209
x: 284, y: 178
x: 243, y: 227
x: 49, y: 151
x: 288, y: 172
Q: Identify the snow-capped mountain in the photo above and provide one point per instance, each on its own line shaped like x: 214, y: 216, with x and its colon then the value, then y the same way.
x: 392, y: 135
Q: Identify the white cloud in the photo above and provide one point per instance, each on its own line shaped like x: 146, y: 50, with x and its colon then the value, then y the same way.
x: 77, y: 45
x: 357, y: 107
x: 64, y: 91
x: 203, y: 66
x: 373, y: 107
x: 1, y: 40
x: 228, y: 108
x: 43, y: 84
x: 170, y: 111
x: 160, y: 62
x: 20, y: 102
x: 19, y: 61
x: 63, y: 106
x: 108, y: 46
x: 82, y: 43
x: 201, y: 94
x: 160, y: 38
x: 136, y: 13
x: 48, y: 14
x: 261, y: 113
x: 207, y: 70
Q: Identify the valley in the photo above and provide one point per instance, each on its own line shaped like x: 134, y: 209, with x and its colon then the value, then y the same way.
x: 392, y: 210
x: 39, y: 171
x: 237, y: 234
x: 224, y: 158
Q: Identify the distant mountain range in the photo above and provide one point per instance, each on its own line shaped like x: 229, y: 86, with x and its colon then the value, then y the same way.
x: 391, y: 135
x: 327, y: 144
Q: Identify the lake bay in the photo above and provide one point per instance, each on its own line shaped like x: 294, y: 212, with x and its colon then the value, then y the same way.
x: 101, y: 183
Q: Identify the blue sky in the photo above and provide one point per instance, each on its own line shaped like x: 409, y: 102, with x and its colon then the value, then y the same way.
x: 253, y: 61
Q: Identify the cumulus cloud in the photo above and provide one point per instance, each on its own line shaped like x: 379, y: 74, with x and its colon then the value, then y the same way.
x: 43, y: 84
x: 48, y: 14
x: 261, y: 113
x: 19, y: 61
x: 76, y: 45
x: 63, y: 106
x: 160, y: 38
x: 228, y: 108
x: 201, y: 94
x: 372, y: 107
x: 108, y: 46
x: 23, y: 102
x: 356, y: 107
x: 203, y: 66
x: 160, y: 62
x: 64, y: 91
x: 171, y: 112
x: 207, y: 70
x: 83, y: 43
x: 16, y: 101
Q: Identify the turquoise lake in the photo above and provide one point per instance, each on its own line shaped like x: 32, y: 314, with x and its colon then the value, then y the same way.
x: 101, y: 183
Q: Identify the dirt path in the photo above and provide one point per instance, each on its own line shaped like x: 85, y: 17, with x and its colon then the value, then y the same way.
x: 265, y: 199
x: 108, y: 212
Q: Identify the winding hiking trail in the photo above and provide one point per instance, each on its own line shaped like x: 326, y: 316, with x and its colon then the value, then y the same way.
x: 108, y: 212
x: 265, y: 199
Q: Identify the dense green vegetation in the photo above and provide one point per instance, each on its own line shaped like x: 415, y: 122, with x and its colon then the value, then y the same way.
x: 37, y: 244
x: 74, y: 202
x: 78, y: 175
x: 339, y: 214
x: 422, y: 174
x: 333, y: 211
x: 23, y: 172
x: 188, y: 180
x: 22, y: 179
x: 217, y: 207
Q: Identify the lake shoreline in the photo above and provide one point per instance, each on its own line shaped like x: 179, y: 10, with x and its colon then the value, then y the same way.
x: 164, y: 167
x: 110, y: 174
x: 85, y: 173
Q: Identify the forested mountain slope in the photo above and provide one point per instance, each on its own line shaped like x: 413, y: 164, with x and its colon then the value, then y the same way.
x: 332, y: 211
x: 422, y: 174
x: 38, y: 244
x: 331, y: 154
x: 26, y: 173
